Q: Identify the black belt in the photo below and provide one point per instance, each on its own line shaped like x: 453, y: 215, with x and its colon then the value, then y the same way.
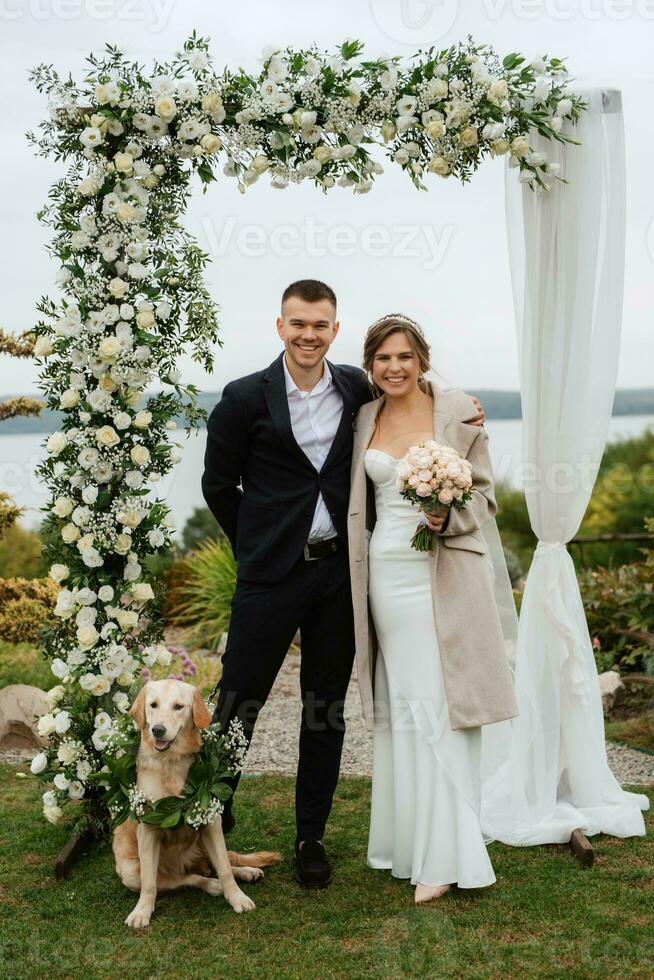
x: 315, y: 550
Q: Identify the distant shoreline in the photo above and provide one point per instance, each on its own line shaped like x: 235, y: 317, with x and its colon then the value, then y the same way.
x: 499, y: 405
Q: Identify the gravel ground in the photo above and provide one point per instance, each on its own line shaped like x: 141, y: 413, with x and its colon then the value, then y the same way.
x: 275, y: 743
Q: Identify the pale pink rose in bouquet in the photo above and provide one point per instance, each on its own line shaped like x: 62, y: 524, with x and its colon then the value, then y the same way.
x: 435, y: 477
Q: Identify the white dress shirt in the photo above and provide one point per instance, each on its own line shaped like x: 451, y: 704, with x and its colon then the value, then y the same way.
x: 315, y: 417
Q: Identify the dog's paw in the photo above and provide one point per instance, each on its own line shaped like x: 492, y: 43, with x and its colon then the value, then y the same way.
x: 240, y: 902
x: 138, y: 918
x: 248, y: 874
x: 213, y: 887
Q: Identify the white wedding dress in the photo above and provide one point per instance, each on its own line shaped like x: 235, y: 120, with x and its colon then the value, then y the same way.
x: 424, y: 822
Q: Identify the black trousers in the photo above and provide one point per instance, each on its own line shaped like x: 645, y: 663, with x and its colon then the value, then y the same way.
x: 315, y: 598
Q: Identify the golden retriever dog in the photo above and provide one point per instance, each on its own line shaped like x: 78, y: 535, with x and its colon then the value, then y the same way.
x: 170, y: 715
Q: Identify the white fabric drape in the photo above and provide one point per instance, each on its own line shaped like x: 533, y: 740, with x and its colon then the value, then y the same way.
x: 566, y: 252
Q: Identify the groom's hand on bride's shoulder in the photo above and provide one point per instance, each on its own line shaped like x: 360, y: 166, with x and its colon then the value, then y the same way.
x: 480, y: 417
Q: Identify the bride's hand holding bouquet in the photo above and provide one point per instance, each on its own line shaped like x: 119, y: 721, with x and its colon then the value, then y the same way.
x: 435, y: 478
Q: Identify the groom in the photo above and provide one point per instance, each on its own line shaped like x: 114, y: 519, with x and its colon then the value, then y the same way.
x: 277, y: 480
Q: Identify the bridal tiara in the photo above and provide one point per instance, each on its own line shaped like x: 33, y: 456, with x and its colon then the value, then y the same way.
x: 398, y: 318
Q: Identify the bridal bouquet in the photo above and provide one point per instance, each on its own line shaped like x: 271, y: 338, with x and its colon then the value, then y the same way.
x: 435, y: 477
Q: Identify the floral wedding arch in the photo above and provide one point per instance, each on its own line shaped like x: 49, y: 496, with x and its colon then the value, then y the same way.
x: 133, y: 298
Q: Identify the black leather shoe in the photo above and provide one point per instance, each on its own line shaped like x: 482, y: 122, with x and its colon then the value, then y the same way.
x: 312, y: 867
x: 228, y: 821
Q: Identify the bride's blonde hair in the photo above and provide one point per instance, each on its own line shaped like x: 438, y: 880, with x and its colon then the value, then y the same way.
x: 386, y: 326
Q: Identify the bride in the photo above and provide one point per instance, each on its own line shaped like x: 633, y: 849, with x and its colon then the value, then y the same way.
x: 428, y: 632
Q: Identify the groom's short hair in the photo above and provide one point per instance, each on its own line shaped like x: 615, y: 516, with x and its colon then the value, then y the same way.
x: 311, y: 291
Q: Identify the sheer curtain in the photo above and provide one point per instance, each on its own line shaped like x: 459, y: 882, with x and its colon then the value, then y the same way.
x: 566, y: 252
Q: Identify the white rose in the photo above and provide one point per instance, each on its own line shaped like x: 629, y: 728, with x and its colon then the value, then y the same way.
x: 39, y: 763
x: 140, y: 455
x: 121, y: 700
x: 142, y: 419
x: 122, y: 420
x: 107, y: 436
x: 87, y: 637
x: 56, y: 693
x: 105, y: 593
x: 76, y: 790
x: 63, y: 506
x: 109, y: 348
x: 468, y: 136
x: 81, y: 516
x: 102, y: 686
x: 52, y: 814
x: 57, y: 443
x: 165, y: 108
x: 90, y: 494
x: 60, y: 669
x: 519, y: 146
x: 61, y: 781
x: 435, y: 128
x: 118, y: 287
x: 127, y: 619
x: 43, y: 346
x: 91, y: 137
x: 136, y: 270
x: 498, y: 90
x: 130, y: 516
x: 85, y: 543
x: 46, y: 725
x: 124, y: 163
x: 122, y: 544
x: 69, y: 533
x: 132, y: 571
x: 145, y: 319
x: 59, y: 572
x: 438, y: 165
x: 142, y: 592
x: 62, y: 722
x: 69, y: 398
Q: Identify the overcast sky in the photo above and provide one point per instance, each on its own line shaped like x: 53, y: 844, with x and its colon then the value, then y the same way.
x: 440, y: 256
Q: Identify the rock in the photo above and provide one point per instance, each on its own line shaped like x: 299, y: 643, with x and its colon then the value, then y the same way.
x: 20, y: 706
x: 611, y: 687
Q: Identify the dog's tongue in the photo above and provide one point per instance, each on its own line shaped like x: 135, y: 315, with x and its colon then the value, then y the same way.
x: 161, y: 744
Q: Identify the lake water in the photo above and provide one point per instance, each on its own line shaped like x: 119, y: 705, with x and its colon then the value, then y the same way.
x: 19, y: 455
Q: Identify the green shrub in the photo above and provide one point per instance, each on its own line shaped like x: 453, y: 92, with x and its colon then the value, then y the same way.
x: 202, y: 586
x: 619, y: 606
x: 20, y: 553
x: 518, y: 539
x: 622, y: 498
x: 200, y: 527
x: 23, y: 663
x: 25, y: 608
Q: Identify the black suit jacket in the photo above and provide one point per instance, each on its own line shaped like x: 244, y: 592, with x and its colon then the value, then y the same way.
x: 260, y: 486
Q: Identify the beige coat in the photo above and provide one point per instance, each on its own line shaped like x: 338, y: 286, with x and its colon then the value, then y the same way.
x: 477, y: 677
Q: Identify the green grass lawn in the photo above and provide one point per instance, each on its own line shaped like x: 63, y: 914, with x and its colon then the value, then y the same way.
x: 545, y: 916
